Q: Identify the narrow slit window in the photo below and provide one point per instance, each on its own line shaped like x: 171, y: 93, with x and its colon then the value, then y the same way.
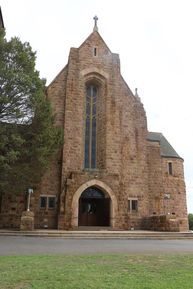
x: 170, y: 168
x: 95, y: 51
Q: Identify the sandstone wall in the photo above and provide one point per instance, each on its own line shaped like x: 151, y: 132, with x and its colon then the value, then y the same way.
x: 128, y: 166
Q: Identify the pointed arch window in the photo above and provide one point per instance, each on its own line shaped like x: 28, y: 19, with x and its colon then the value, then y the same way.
x: 90, y: 127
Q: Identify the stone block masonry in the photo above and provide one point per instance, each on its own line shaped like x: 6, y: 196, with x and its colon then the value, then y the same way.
x: 137, y: 180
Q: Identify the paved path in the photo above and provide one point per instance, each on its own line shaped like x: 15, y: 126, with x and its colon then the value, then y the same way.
x: 37, y: 245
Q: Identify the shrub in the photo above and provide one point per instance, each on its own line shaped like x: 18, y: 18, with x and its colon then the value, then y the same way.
x: 190, y: 220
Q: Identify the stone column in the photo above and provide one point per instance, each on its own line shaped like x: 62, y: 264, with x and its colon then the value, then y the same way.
x: 27, y: 221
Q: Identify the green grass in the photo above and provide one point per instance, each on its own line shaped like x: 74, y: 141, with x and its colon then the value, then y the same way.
x: 97, y: 272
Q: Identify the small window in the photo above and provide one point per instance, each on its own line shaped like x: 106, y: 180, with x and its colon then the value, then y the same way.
x: 132, y: 205
x: 51, y: 202
x: 0, y: 203
x: 170, y: 168
x: 47, y: 202
x: 95, y: 51
x: 43, y: 202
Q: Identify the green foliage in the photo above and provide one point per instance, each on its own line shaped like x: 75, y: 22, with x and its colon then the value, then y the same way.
x: 28, y: 136
x: 190, y: 220
x: 20, y: 84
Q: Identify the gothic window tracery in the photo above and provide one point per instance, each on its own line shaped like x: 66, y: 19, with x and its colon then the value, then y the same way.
x: 90, y: 126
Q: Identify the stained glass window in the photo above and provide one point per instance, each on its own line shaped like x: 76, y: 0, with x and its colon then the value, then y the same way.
x: 90, y: 127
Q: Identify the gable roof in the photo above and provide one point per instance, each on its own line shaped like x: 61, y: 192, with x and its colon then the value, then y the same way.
x: 166, y: 149
x: 96, y: 33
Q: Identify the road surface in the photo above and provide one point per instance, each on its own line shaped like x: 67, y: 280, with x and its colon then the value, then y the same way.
x: 12, y: 245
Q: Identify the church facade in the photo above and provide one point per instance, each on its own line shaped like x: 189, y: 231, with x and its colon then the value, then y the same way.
x: 111, y: 172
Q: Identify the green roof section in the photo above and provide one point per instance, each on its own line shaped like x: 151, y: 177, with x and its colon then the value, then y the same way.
x: 166, y: 149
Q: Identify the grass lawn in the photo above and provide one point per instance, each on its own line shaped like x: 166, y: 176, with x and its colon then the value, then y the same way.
x: 118, y: 271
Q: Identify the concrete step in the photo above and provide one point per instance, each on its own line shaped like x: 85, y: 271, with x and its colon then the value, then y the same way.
x: 99, y: 234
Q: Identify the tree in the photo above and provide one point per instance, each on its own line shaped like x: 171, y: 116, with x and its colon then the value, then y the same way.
x: 190, y: 220
x: 28, y: 137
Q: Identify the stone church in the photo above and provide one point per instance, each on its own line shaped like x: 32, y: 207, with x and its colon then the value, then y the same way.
x: 112, y: 172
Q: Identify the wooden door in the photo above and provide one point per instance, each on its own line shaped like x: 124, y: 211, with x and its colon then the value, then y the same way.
x: 94, y: 212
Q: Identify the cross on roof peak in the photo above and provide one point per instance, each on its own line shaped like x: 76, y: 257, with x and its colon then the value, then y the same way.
x: 95, y: 23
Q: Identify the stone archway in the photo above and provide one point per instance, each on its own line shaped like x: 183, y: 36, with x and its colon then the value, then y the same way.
x: 94, y: 208
x: 106, y: 189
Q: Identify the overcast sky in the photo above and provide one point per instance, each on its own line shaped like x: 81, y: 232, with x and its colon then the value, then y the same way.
x: 154, y: 39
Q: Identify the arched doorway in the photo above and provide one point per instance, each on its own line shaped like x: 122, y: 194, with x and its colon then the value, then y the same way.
x: 94, y: 208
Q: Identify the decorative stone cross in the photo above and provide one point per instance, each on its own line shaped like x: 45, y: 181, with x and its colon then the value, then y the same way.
x: 95, y: 23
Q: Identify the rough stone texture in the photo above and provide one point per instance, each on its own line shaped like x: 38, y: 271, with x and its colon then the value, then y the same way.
x: 11, y: 210
x: 128, y: 166
x: 161, y: 223
x: 27, y: 221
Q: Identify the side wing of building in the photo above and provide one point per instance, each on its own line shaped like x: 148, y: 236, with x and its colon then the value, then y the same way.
x: 166, y: 185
